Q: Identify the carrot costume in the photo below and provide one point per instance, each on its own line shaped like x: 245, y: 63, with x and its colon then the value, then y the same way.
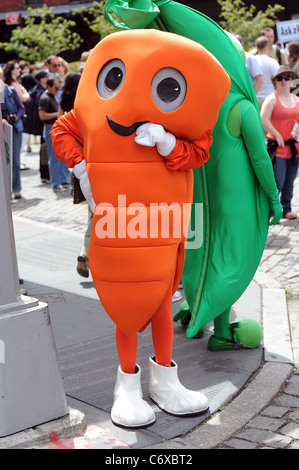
x: 144, y: 113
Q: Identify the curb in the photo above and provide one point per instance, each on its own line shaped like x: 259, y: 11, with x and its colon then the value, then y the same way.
x: 66, y: 426
x: 261, y: 388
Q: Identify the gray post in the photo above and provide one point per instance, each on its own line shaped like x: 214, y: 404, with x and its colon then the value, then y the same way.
x: 31, y: 388
x: 9, y: 280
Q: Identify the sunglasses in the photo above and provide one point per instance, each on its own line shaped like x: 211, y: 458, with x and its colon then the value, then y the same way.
x: 283, y: 77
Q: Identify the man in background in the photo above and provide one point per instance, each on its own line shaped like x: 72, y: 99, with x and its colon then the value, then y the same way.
x: 48, y: 113
x: 269, y: 67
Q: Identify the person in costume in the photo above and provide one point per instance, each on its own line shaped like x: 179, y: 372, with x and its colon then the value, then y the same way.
x: 236, y: 186
x: 144, y: 113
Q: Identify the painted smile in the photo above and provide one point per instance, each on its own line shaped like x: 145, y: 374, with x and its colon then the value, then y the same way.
x: 123, y: 130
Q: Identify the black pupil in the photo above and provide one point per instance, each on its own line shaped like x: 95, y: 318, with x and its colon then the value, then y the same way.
x: 113, y: 78
x: 168, y: 90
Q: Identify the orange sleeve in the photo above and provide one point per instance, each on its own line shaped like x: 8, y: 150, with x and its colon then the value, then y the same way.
x: 66, y: 140
x: 190, y: 154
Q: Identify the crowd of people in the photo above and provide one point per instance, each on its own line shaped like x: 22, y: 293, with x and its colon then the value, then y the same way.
x: 36, y: 95
x: 32, y: 97
x: 277, y: 74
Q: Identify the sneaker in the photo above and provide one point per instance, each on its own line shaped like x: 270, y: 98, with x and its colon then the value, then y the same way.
x: 24, y: 167
x: 290, y: 215
x: 17, y: 195
x: 177, y: 296
x: 83, y: 266
x: 59, y: 189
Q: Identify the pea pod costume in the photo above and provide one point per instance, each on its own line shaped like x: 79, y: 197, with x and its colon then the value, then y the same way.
x: 236, y: 187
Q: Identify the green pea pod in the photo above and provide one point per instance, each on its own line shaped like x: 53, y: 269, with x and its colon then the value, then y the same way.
x: 235, y: 188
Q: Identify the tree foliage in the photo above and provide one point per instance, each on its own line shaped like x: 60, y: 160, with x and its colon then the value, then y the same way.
x: 94, y: 17
x: 42, y: 34
x: 246, y: 21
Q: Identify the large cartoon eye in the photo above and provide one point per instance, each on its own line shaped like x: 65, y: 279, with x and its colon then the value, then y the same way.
x: 168, y: 89
x: 111, y: 78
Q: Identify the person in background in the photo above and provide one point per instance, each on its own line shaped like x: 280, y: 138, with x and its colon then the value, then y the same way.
x: 52, y: 64
x: 32, y: 123
x: 28, y: 82
x: 293, y: 57
x: 253, y: 68
x: 33, y: 68
x: 13, y: 111
x: 24, y: 66
x: 56, y: 66
x: 48, y: 113
x: 83, y: 59
x: 66, y: 104
x: 268, y: 67
x: 63, y: 70
x: 69, y: 90
x: 275, y: 52
x: 280, y: 113
x: 12, y: 72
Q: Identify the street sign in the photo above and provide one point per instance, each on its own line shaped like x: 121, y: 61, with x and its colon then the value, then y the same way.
x: 287, y: 31
x: 12, y: 18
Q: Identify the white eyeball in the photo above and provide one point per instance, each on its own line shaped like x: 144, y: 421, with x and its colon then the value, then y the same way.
x: 168, y: 89
x: 111, y: 78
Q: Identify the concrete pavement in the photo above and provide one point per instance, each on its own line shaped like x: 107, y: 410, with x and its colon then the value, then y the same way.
x: 253, y: 394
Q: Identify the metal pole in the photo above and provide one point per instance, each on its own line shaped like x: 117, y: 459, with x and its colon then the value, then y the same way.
x: 31, y: 387
x: 9, y: 278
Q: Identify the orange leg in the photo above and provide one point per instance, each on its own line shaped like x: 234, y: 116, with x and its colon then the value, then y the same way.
x: 162, y: 333
x: 127, y: 351
x: 162, y: 330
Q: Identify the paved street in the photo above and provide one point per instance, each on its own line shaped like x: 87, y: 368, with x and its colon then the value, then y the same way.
x: 263, y: 411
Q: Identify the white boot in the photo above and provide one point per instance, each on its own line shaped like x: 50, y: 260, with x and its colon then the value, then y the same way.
x: 129, y: 409
x: 166, y: 390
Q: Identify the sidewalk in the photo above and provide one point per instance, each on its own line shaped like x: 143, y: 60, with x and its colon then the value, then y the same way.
x: 257, y: 390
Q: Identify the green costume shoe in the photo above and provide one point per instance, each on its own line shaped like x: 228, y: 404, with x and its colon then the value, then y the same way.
x: 247, y: 333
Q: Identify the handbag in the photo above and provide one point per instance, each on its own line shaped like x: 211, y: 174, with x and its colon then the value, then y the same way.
x: 271, y: 145
x: 77, y: 193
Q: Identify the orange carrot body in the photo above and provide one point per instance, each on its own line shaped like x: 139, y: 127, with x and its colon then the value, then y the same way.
x: 134, y: 264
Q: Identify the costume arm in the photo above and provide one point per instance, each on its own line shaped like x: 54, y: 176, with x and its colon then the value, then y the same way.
x: 66, y: 139
x: 68, y: 147
x: 180, y: 154
x: 255, y: 143
x: 187, y: 155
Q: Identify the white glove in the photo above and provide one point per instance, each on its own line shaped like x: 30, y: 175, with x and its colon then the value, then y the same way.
x: 150, y: 134
x: 80, y: 172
